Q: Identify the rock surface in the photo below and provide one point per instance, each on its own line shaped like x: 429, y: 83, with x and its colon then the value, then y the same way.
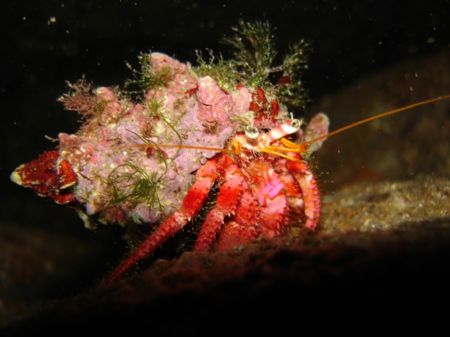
x: 380, y: 244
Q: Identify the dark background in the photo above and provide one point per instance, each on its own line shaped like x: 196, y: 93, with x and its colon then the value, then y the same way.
x: 46, y: 43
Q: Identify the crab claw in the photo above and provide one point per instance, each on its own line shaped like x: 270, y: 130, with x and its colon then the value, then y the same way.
x: 48, y: 177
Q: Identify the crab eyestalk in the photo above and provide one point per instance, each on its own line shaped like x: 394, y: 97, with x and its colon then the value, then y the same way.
x: 290, y: 127
x: 48, y: 176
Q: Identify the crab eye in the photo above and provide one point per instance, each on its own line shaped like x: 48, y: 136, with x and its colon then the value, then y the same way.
x: 251, y: 132
x: 296, y: 123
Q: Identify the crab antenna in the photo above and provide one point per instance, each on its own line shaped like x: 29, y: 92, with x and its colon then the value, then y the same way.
x: 148, y: 144
x: 372, y: 118
x: 194, y: 147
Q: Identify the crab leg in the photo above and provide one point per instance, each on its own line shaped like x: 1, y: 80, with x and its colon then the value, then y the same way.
x: 308, y: 185
x: 294, y: 195
x: 244, y: 227
x: 204, y: 180
x: 226, y: 204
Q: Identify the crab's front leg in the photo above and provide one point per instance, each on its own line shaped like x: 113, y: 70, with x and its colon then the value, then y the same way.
x: 192, y: 203
x: 262, y: 209
x: 308, y: 185
x: 226, y: 204
x: 244, y: 226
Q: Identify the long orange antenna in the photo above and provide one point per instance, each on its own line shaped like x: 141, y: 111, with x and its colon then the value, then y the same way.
x: 381, y: 115
x: 302, y: 147
x: 194, y: 147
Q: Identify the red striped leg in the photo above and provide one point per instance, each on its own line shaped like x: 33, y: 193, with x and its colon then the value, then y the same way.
x: 293, y: 192
x: 244, y: 226
x: 226, y: 205
x: 311, y: 194
x: 192, y: 203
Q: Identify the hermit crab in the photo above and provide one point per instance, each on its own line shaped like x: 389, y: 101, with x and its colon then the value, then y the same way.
x: 186, y: 134
x: 158, y: 160
x: 183, y: 134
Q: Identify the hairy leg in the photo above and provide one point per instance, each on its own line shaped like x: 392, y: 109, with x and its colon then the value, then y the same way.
x: 192, y: 203
x: 310, y: 191
x: 244, y: 227
x: 226, y: 204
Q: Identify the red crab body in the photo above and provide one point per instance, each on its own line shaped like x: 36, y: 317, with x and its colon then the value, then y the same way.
x: 259, y: 194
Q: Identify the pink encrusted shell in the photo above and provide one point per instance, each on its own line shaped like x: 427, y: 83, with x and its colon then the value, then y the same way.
x: 200, y: 111
x: 123, y: 144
